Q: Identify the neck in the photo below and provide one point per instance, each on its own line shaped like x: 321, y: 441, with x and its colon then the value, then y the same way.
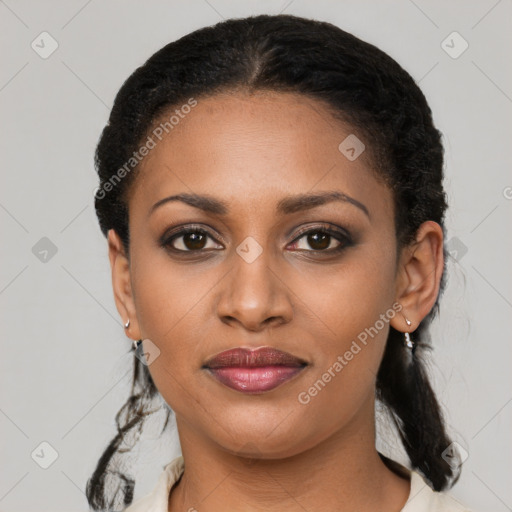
x: 343, y: 473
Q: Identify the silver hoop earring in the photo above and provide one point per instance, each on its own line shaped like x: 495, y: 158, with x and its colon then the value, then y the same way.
x: 136, y: 344
x: 127, y: 324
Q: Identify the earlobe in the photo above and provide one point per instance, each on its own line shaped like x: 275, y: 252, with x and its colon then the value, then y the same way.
x: 419, y: 276
x: 121, y: 284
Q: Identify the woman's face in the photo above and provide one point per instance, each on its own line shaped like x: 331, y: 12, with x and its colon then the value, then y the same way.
x: 266, y: 273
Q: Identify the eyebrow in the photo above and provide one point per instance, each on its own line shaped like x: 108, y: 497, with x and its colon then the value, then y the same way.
x: 286, y: 206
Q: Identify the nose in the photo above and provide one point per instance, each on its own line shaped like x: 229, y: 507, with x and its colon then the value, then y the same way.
x: 254, y: 296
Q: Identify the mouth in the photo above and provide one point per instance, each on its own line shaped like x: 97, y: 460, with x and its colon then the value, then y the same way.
x: 254, y: 371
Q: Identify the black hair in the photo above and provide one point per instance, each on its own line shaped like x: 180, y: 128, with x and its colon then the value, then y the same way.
x: 362, y: 86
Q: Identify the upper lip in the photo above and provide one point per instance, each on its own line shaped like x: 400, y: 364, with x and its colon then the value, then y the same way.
x: 244, y: 357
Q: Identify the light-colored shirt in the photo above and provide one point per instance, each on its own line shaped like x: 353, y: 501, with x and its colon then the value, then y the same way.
x: 421, y: 497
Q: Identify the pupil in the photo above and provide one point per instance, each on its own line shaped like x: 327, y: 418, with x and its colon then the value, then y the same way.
x: 319, y: 241
x: 194, y: 241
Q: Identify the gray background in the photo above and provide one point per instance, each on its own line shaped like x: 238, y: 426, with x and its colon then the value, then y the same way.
x: 66, y: 367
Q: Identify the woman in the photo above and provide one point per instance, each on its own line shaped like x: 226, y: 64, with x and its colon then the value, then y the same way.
x: 271, y: 191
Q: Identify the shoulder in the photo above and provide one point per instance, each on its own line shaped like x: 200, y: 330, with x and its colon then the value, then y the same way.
x: 157, y: 499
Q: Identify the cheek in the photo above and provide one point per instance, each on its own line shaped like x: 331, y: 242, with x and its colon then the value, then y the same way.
x: 347, y: 311
x: 170, y: 305
x: 346, y: 298
x: 347, y: 357
x: 166, y: 294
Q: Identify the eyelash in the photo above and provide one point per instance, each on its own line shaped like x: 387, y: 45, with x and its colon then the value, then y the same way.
x: 342, y: 236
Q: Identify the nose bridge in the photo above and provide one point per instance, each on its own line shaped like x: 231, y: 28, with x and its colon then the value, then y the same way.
x: 254, y: 295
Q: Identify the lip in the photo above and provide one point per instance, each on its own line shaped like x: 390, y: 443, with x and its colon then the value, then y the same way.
x: 254, y: 371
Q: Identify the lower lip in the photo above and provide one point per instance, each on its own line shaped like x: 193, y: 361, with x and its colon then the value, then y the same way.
x: 255, y: 380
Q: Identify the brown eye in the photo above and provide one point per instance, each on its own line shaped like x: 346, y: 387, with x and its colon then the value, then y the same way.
x: 194, y: 241
x: 189, y: 240
x: 321, y: 240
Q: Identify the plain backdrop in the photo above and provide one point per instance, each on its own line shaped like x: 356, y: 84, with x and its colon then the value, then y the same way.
x: 66, y: 365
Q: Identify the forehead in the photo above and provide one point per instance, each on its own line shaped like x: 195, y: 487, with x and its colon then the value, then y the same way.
x: 240, y: 147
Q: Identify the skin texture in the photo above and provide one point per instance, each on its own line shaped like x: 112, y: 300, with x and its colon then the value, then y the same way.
x: 257, y: 452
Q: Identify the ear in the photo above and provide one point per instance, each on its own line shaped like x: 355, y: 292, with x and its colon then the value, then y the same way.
x: 419, y: 276
x: 121, y: 284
